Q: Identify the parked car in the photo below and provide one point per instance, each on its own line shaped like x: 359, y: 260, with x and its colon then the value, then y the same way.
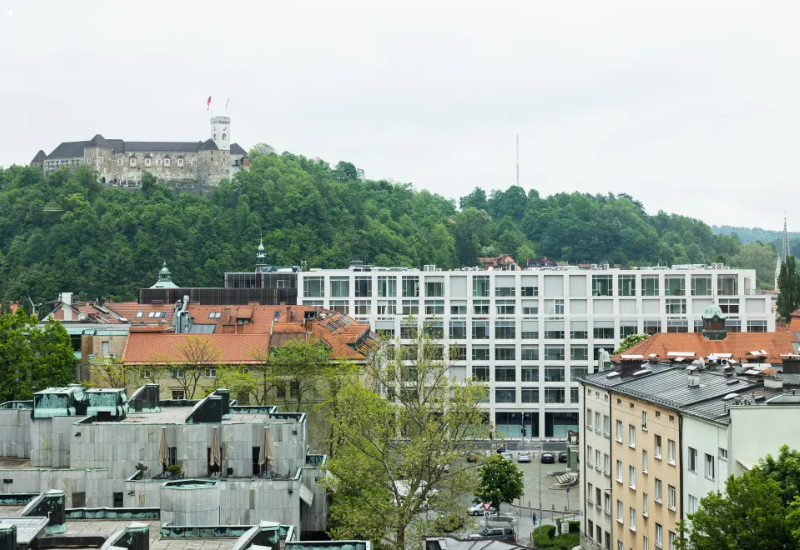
x: 473, y: 457
x: 506, y: 455
x: 523, y: 456
x: 562, y: 456
x: 495, y: 533
x: 478, y: 509
x: 548, y: 458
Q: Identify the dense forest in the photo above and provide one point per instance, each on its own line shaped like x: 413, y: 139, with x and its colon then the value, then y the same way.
x: 67, y: 232
x: 756, y: 234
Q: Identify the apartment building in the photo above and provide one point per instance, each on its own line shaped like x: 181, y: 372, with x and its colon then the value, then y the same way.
x: 678, y: 429
x: 531, y: 334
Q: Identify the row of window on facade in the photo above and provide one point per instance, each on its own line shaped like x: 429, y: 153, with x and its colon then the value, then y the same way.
x: 148, y: 162
x: 602, y: 285
x: 457, y: 352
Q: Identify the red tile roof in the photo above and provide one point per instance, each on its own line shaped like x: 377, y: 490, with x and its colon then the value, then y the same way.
x: 736, y: 343
x: 234, y: 349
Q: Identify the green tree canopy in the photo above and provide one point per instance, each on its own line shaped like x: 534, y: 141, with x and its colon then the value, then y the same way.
x: 788, y: 288
x: 33, y: 357
x: 500, y: 481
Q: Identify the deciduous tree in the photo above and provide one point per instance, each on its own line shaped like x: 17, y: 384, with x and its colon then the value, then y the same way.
x: 500, y: 481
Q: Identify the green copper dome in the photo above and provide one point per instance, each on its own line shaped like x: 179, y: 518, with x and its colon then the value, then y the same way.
x: 712, y: 311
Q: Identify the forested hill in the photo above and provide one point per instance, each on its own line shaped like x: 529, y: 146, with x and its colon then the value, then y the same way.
x: 69, y: 233
x: 756, y: 234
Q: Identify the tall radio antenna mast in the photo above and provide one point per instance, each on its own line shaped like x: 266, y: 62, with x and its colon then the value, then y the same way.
x: 517, y: 160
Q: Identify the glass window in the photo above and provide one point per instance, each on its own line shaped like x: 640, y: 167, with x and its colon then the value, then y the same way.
x: 692, y: 504
x: 692, y: 459
x: 627, y: 285
x: 657, y: 450
x: 554, y: 352
x: 530, y: 374
x: 677, y: 325
x: 505, y: 307
x: 458, y: 330
x: 505, y: 395
x: 480, y: 286
x: 659, y: 535
x: 457, y: 352
x: 387, y: 308
x: 480, y: 307
x: 529, y: 291
x: 529, y: 307
x: 558, y: 307
x: 433, y: 329
x: 701, y: 285
x: 480, y: 330
x: 676, y: 306
x: 650, y: 285
x: 626, y: 329
x: 554, y: 395
x: 671, y: 497
x: 410, y: 286
x: 632, y: 515
x: 530, y: 353
x: 574, y: 395
x: 410, y: 307
x: 727, y: 285
x: 658, y: 491
x: 601, y: 285
x: 480, y: 373
x: 577, y: 372
x: 652, y: 326
x: 433, y: 352
x: 387, y: 287
x: 434, y: 289
x: 505, y: 330
x: 505, y: 291
x: 579, y: 353
x: 645, y: 505
x: 530, y: 395
x: 729, y: 305
x: 339, y: 306
x: 409, y: 331
x: 606, y: 333
x: 619, y: 430
x: 505, y: 374
x: 554, y: 374
x: 458, y: 309
x: 505, y: 353
x: 709, y: 466
x: 314, y: 287
x: 340, y: 287
x: 644, y: 461
x: 363, y: 287
x: 670, y: 451
x: 756, y: 326
x: 363, y: 307
x: 631, y: 435
x: 480, y: 353
x: 434, y: 307
x: 675, y: 286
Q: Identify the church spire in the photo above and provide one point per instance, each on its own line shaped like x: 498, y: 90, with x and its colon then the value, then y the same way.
x: 785, y: 243
x: 261, y: 260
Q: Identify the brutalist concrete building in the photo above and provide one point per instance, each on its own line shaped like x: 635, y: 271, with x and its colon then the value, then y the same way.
x: 206, y: 462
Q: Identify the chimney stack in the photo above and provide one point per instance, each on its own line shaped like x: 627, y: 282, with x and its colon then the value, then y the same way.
x: 694, y: 377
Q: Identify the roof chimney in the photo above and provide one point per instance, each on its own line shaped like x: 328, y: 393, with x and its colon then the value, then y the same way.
x: 694, y: 377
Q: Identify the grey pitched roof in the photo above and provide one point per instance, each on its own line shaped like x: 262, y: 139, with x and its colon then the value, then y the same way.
x: 69, y: 149
x: 40, y: 156
x: 74, y: 149
x: 717, y: 409
x: 603, y: 380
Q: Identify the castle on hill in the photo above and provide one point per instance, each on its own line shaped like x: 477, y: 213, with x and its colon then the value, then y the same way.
x: 122, y: 163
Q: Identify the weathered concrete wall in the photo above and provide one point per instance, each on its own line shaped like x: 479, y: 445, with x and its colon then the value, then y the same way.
x: 15, y: 433
x: 51, y: 440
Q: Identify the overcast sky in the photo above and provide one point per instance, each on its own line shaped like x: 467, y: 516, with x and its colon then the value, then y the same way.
x: 691, y: 107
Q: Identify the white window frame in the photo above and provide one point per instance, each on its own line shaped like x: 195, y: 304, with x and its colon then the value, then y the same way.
x: 620, y: 509
x: 644, y: 462
x: 619, y: 431
x: 645, y: 505
x: 631, y: 436
x: 671, y: 452
x: 672, y: 498
x: 657, y: 447
x: 659, y: 492
x: 619, y: 471
x: 632, y: 513
x: 632, y: 476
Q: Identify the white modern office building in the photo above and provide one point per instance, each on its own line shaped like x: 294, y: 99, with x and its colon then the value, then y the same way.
x: 530, y: 334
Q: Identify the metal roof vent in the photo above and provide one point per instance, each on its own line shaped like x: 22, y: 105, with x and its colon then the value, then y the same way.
x: 612, y: 375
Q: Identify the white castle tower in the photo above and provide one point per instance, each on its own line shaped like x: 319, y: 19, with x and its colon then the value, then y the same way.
x: 221, y: 132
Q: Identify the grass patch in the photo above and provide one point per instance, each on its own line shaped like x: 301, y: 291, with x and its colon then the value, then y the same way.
x: 546, y: 537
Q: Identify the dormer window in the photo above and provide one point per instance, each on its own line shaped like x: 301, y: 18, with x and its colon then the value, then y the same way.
x: 224, y: 137
x: 147, y: 162
x: 133, y: 162
x: 180, y: 162
x: 158, y: 162
x: 166, y: 162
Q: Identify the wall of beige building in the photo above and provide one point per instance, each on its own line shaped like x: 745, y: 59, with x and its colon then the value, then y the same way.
x: 646, y: 466
x: 596, y: 484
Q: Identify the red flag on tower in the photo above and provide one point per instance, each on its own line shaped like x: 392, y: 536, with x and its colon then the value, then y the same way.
x: 208, y: 103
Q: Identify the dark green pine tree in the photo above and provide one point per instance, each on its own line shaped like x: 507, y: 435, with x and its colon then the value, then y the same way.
x: 789, y: 288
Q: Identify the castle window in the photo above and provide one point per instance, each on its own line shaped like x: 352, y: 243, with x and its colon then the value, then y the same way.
x: 147, y: 162
x: 166, y: 162
x: 215, y: 137
x: 133, y: 161
x: 180, y: 162
x: 119, y: 161
x: 158, y: 162
x: 224, y: 137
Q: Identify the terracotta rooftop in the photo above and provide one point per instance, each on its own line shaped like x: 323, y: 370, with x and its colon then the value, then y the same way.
x: 116, y: 313
x: 250, y: 319
x: 145, y: 348
x: 738, y: 344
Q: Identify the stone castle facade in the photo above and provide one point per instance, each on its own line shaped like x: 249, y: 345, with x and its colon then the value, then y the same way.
x: 122, y: 163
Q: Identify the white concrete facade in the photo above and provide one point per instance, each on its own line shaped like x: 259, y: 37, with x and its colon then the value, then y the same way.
x: 704, y: 448
x: 531, y: 334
